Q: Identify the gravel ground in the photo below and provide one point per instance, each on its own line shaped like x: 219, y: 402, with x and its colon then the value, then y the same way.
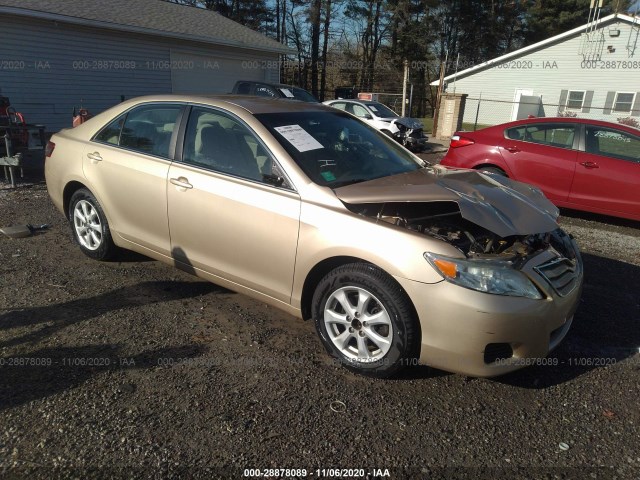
x: 133, y: 369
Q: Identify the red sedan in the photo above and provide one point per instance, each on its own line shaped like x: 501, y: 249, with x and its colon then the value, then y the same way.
x: 578, y: 163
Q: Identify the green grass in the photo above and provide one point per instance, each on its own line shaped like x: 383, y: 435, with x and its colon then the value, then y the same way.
x: 428, y: 125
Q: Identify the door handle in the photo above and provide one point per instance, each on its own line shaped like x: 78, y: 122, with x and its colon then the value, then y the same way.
x: 589, y: 165
x: 512, y: 149
x: 181, y: 182
x: 95, y: 156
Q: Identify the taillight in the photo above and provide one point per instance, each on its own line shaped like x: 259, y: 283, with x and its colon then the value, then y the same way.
x: 458, y: 141
x: 48, y: 150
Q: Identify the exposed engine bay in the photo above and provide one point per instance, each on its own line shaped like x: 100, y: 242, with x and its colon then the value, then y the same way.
x: 443, y: 221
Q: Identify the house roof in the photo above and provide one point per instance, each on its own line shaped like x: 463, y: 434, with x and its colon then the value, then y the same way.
x: 536, y: 46
x: 152, y: 17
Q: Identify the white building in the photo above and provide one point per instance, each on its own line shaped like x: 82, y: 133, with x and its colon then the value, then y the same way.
x: 58, y: 54
x: 592, y: 71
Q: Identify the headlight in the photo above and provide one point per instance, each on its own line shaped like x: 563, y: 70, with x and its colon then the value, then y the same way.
x: 496, y: 277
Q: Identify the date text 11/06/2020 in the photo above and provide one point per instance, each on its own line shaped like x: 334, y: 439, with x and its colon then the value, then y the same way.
x: 318, y: 472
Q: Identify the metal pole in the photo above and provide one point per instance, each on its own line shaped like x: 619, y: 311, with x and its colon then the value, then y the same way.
x: 7, y: 144
x: 410, y: 99
x: 475, y: 125
x: 455, y: 75
x: 404, y: 86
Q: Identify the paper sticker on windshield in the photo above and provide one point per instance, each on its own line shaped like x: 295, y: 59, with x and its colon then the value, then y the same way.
x: 299, y: 137
x: 372, y: 108
x: 287, y: 93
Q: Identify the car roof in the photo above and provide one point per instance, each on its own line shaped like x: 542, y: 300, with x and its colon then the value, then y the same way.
x: 254, y: 105
x: 271, y: 84
x: 525, y: 121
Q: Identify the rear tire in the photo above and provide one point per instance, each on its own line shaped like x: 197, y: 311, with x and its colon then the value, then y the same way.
x: 366, y: 321
x: 89, y: 226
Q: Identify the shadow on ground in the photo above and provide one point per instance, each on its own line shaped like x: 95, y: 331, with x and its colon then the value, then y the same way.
x: 605, y: 330
x: 49, y: 371
x: 52, y: 318
x: 595, y: 217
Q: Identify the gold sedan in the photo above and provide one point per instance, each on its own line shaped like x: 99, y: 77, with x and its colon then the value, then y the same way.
x: 309, y: 209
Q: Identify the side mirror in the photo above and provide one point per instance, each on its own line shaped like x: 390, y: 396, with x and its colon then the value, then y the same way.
x: 275, y: 180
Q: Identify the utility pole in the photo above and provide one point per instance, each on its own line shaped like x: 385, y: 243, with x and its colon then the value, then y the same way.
x: 404, y: 86
x: 439, y: 93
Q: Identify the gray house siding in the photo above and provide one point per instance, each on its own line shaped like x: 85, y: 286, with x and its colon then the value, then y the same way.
x: 550, y: 73
x: 48, y: 68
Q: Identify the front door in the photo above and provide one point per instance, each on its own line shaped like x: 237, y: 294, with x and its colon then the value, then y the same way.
x: 224, y: 217
x: 543, y: 154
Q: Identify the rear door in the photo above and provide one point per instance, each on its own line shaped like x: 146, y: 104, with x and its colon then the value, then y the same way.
x: 608, y: 171
x: 543, y: 154
x: 126, y: 165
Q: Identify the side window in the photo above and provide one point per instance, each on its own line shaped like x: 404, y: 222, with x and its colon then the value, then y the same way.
x: 360, y: 111
x: 516, y: 133
x: 218, y: 142
x: 339, y: 105
x: 552, y: 135
x: 244, y: 88
x: 612, y: 143
x: 111, y: 133
x: 148, y: 129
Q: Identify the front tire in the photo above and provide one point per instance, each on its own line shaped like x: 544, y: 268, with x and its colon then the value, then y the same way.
x: 89, y: 226
x: 365, y: 320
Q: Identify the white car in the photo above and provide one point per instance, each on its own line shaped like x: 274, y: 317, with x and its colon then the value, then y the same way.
x: 407, y: 131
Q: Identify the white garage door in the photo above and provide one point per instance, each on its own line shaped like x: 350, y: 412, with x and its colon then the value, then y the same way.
x: 192, y: 73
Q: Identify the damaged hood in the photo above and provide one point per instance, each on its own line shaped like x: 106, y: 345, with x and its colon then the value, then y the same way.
x: 410, y: 123
x: 502, y: 206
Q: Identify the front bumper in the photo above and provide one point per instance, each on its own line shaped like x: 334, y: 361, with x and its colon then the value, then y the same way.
x: 463, y: 329
x: 416, y: 142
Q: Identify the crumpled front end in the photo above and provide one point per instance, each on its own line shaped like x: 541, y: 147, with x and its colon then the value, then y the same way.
x: 509, y: 295
x: 410, y: 133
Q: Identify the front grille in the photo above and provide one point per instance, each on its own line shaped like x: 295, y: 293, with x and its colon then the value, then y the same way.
x: 561, y: 273
x: 497, y: 351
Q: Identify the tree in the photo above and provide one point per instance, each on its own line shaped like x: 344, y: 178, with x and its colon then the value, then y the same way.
x: 314, y: 20
x: 370, y: 20
x: 545, y: 19
x: 325, y: 48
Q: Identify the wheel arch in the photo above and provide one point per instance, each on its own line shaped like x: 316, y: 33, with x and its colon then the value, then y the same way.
x: 322, y: 268
x: 69, y: 189
x: 490, y: 164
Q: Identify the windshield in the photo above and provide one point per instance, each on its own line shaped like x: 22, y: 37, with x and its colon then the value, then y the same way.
x: 336, y: 149
x: 381, y: 110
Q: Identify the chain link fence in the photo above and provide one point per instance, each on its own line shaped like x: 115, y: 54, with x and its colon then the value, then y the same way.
x: 484, y: 112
